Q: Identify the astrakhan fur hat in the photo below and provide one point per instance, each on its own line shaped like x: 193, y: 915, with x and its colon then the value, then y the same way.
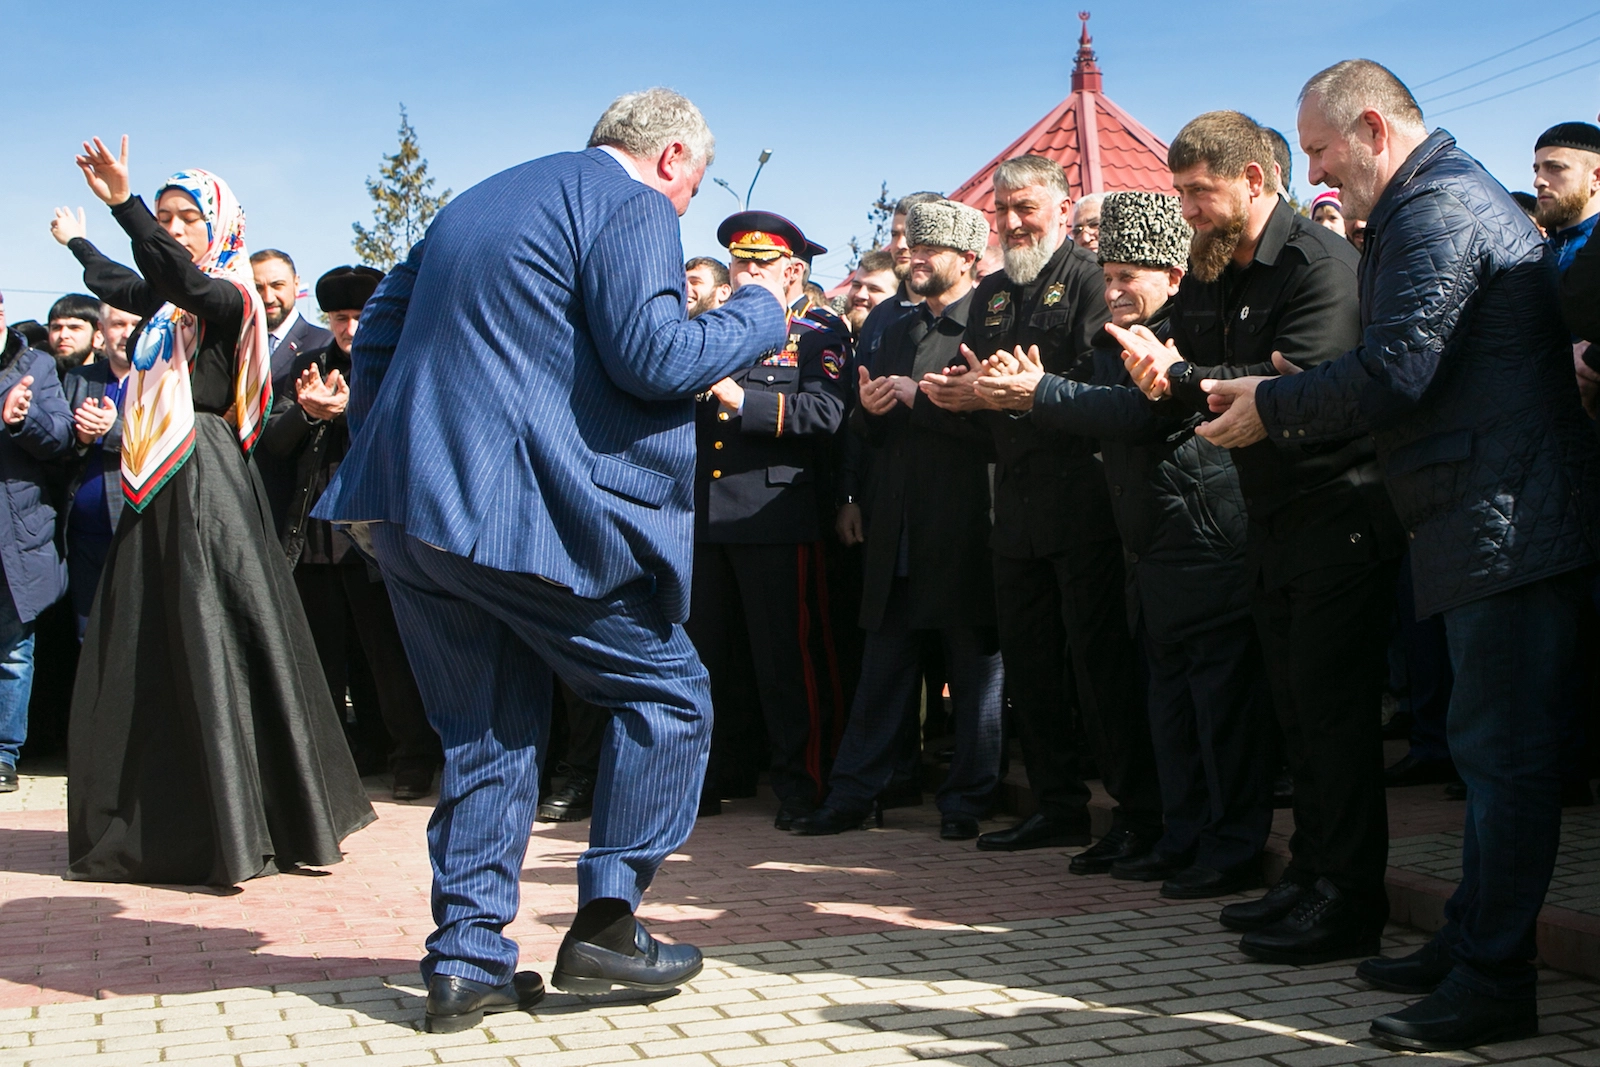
x: 1143, y: 228
x: 947, y: 224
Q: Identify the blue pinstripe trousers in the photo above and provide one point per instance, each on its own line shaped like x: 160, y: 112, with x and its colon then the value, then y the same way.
x: 483, y: 644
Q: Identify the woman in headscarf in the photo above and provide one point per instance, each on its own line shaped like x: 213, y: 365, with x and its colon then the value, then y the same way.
x: 204, y: 747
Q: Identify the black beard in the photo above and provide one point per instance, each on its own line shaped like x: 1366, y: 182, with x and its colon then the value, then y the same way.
x: 1210, y: 251
x: 936, y: 285
x: 1562, y: 212
x: 273, y: 324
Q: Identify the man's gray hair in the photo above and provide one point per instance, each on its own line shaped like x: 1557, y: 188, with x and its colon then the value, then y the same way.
x: 642, y: 124
x: 1347, y: 89
x: 904, y: 205
x: 1089, y: 200
x: 1023, y: 171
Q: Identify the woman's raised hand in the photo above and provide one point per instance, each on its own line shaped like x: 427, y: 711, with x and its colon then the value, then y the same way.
x: 106, y: 174
x: 65, y: 226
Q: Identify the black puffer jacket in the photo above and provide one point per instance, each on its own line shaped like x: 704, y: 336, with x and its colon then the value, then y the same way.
x: 1176, y: 497
x: 1464, y: 378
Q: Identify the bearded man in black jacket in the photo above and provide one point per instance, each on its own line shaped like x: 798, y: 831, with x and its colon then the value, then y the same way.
x: 1270, y: 290
x: 1057, y: 561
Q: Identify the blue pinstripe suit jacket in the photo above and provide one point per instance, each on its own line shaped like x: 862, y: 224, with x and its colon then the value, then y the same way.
x: 522, y: 385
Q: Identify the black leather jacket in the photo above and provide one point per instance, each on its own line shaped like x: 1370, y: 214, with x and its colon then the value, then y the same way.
x: 1464, y: 377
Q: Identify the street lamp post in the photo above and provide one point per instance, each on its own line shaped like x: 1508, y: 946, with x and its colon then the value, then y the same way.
x: 744, y: 204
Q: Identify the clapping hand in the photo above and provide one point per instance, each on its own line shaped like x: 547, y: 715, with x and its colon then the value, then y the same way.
x: 94, y: 419
x: 877, y: 395
x: 953, y: 390
x: 321, y: 398
x: 65, y: 226
x: 1008, y: 381
x: 18, y: 401
x: 1146, y: 358
x: 106, y: 174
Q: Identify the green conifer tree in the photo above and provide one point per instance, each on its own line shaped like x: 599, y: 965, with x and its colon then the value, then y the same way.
x: 403, y: 203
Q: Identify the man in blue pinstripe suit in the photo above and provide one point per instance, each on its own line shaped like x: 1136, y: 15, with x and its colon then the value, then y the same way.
x: 522, y: 407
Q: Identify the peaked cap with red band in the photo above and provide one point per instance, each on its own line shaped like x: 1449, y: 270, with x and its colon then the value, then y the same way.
x: 764, y: 235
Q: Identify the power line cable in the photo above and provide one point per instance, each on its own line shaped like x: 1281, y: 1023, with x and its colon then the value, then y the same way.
x: 1513, y: 70
x: 1518, y: 89
x: 1507, y: 52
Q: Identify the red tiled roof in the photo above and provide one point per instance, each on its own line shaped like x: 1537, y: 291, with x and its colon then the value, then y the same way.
x: 1101, y: 147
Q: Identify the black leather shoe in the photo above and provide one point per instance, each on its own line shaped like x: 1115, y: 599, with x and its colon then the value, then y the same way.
x: 1036, y: 831
x: 572, y: 802
x: 456, y: 1004
x: 790, y: 810
x: 826, y: 821
x: 1278, y: 902
x: 1420, y: 972
x: 958, y: 828
x: 1152, y: 866
x: 413, y: 783
x: 1455, y: 1017
x: 1409, y: 770
x: 8, y: 779
x: 1326, y: 925
x: 1117, y: 846
x: 1198, y: 883
x: 653, y: 967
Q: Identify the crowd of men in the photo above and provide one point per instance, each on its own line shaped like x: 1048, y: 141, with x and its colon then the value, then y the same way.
x: 1169, y: 489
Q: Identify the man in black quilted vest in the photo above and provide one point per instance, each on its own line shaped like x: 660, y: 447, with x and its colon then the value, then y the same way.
x: 1463, y: 378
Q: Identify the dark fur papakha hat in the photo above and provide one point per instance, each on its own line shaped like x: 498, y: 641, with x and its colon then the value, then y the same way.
x: 1143, y: 228
x: 1584, y: 136
x: 947, y: 224
x: 347, y: 288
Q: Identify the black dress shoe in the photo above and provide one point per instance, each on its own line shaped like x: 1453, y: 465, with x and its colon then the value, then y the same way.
x: 1152, y: 866
x: 653, y: 967
x: 413, y: 783
x: 1409, y: 770
x: 791, y: 809
x: 958, y: 828
x: 1036, y: 831
x: 456, y: 1004
x: 1118, y: 846
x: 1326, y: 925
x: 1455, y: 1017
x: 826, y: 821
x: 1420, y: 972
x: 1198, y: 883
x: 8, y: 779
x: 1278, y: 902
x: 572, y: 802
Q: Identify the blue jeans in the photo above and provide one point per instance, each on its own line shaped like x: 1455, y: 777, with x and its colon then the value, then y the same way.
x: 1512, y: 653
x: 16, y: 678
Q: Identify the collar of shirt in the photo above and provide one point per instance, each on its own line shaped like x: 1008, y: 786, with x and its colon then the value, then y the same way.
x: 622, y: 158
x: 955, y: 312
x: 287, y: 324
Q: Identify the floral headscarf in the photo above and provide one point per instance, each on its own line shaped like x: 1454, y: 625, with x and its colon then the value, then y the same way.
x: 158, y: 410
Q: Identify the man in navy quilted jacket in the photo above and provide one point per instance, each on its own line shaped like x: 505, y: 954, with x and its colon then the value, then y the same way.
x: 1463, y: 377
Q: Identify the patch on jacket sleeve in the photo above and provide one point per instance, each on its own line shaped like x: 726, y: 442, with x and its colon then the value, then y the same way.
x: 832, y: 363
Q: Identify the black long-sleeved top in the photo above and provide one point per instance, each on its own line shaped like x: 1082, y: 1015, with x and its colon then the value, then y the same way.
x: 1310, y: 505
x: 170, y: 276
x: 1580, y: 299
x: 1050, y: 491
x: 310, y: 450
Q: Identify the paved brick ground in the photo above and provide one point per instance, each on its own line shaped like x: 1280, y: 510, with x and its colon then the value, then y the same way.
x: 870, y: 948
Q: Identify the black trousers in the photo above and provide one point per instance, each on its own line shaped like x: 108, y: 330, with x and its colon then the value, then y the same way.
x: 1325, y: 636
x: 577, y: 730
x: 764, y: 598
x: 1070, y: 607
x: 346, y: 609
x: 1210, y: 708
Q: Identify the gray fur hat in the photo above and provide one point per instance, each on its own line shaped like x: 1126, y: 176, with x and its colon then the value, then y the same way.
x: 947, y: 224
x: 1143, y: 228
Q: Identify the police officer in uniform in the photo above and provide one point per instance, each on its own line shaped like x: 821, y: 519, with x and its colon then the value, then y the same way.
x: 758, y: 557
x: 1058, y: 566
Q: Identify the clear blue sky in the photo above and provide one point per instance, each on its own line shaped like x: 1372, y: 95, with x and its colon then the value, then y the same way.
x: 293, y: 103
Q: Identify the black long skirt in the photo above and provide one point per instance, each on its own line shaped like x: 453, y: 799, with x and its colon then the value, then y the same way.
x: 204, y: 748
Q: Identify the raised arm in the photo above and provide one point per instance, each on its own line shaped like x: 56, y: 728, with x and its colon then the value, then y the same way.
x: 632, y: 282
x: 110, y: 281
x: 169, y: 271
